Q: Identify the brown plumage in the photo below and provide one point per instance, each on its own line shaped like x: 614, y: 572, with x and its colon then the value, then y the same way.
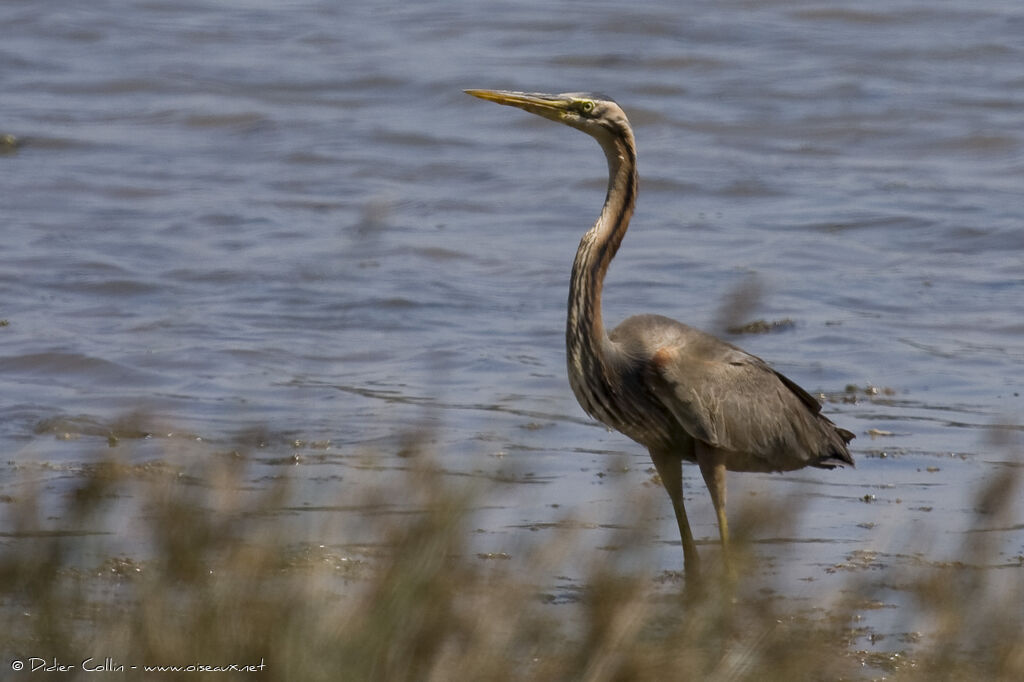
x: 682, y: 393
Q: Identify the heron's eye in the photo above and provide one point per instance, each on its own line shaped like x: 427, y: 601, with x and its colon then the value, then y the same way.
x: 586, y: 106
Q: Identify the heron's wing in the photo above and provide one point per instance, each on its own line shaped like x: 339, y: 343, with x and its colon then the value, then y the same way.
x: 734, y: 401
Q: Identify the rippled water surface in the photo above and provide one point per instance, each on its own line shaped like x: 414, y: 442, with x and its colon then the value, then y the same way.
x: 283, y: 228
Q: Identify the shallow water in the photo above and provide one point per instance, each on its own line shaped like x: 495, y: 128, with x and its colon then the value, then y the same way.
x: 284, y: 229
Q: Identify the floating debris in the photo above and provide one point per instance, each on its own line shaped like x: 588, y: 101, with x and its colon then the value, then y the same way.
x: 493, y: 555
x: 763, y: 327
x: 9, y: 144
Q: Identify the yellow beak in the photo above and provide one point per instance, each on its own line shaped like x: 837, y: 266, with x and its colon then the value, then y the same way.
x: 548, y: 106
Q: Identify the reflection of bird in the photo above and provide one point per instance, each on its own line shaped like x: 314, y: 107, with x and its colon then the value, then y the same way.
x: 680, y: 392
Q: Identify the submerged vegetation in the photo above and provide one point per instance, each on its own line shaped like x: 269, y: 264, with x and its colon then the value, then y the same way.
x: 216, y: 576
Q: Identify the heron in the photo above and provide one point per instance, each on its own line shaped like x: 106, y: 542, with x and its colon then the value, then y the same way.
x: 682, y: 393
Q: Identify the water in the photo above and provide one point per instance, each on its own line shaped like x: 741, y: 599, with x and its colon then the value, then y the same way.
x: 250, y: 224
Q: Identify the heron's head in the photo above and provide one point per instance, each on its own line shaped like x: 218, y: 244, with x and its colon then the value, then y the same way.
x: 596, y: 115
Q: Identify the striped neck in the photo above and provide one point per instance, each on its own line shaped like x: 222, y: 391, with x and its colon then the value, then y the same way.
x: 587, y: 342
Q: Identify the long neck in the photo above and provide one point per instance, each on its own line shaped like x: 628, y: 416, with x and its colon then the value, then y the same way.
x: 585, y: 337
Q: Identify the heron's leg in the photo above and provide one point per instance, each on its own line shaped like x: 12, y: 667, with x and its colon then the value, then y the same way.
x: 712, y: 467
x: 670, y: 469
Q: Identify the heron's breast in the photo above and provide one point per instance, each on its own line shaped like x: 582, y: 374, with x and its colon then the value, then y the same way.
x: 625, y: 406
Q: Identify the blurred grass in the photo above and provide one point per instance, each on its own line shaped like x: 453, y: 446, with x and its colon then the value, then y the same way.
x: 216, y: 579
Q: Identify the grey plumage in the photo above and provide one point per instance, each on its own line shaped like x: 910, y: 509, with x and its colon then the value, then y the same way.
x: 680, y: 392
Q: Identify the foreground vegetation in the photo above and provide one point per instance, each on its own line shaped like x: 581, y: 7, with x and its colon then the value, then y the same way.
x: 214, y: 578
